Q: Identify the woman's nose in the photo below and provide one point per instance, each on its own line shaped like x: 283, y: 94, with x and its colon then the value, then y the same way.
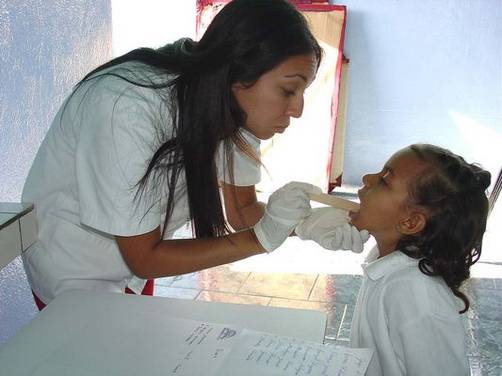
x: 295, y: 108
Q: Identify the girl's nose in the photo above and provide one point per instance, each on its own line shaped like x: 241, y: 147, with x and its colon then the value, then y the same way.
x: 365, y: 179
x: 368, y: 179
x: 295, y: 108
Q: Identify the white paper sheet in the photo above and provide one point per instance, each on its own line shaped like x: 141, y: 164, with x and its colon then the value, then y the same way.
x: 266, y: 354
x: 204, y: 350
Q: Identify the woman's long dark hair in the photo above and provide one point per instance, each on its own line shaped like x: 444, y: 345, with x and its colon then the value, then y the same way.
x: 245, y: 39
x: 453, y: 194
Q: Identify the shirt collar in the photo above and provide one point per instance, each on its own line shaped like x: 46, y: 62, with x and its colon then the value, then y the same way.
x: 249, y: 137
x: 376, y: 268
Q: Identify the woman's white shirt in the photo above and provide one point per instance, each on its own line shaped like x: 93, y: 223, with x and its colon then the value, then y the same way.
x: 410, y: 319
x: 83, y: 183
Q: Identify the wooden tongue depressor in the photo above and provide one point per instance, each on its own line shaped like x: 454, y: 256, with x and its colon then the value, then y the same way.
x: 336, y: 202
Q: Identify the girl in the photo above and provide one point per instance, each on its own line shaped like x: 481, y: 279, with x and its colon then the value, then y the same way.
x: 427, y: 210
x: 143, y: 142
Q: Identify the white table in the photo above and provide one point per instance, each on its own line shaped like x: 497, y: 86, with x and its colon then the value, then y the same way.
x: 85, y: 324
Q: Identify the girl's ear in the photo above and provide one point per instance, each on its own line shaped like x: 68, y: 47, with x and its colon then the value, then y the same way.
x: 413, y: 224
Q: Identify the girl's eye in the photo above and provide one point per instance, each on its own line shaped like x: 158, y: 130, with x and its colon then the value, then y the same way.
x: 383, y: 175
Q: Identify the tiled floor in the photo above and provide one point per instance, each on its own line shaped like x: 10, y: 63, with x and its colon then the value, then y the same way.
x: 303, y: 275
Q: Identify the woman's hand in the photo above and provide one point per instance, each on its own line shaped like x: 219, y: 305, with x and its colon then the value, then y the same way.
x: 286, y: 207
x: 330, y: 228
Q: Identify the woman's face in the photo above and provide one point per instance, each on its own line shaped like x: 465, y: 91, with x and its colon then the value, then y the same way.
x: 384, y: 196
x: 276, y: 96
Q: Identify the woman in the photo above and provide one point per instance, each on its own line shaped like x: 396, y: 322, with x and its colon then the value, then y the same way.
x: 139, y: 148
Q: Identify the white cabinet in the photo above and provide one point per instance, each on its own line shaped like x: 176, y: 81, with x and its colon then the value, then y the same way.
x: 18, y: 230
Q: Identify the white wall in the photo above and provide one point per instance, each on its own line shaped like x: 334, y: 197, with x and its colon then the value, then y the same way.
x: 45, y: 48
x: 150, y: 23
x: 423, y: 71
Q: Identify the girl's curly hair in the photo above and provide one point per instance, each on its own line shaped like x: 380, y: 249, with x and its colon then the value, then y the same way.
x: 452, y: 192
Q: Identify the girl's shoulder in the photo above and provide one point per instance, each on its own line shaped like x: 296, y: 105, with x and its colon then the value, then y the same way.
x: 428, y: 295
x: 406, y: 274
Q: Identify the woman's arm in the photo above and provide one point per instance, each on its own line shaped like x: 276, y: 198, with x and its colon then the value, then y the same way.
x: 150, y: 257
x: 242, y: 208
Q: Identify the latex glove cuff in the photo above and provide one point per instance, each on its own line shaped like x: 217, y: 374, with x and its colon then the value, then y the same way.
x: 269, y: 228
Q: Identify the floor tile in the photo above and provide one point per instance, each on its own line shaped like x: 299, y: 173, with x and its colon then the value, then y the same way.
x: 175, y: 292
x: 481, y: 366
x: 339, y: 321
x: 289, y: 286
x: 488, y: 336
x: 346, y: 323
x: 224, y: 297
x: 483, y: 283
x: 215, y: 279
x: 488, y: 304
x: 336, y: 288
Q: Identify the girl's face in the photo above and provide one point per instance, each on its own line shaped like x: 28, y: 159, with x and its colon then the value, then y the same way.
x: 384, y: 209
x: 276, y: 96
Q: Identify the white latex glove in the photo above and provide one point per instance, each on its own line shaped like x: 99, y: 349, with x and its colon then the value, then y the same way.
x: 330, y: 228
x: 286, y: 207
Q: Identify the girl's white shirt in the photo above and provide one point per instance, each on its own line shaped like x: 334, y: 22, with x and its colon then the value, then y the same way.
x: 409, y: 319
x: 83, y: 183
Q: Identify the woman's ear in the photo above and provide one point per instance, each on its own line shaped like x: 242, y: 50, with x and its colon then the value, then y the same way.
x: 238, y: 86
x: 413, y: 224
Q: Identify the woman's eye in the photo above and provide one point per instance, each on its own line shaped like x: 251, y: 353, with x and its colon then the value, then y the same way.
x: 288, y: 93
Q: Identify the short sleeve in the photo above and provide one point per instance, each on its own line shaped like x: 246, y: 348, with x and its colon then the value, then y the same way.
x: 246, y: 170
x: 115, y: 144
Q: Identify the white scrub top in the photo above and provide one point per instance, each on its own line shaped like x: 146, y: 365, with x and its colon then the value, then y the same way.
x: 83, y: 184
x: 410, y: 319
